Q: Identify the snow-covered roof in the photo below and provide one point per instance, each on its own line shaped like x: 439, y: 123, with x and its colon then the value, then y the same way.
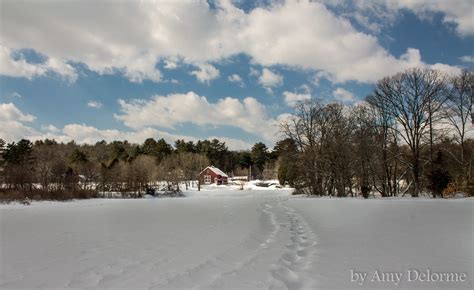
x: 216, y: 171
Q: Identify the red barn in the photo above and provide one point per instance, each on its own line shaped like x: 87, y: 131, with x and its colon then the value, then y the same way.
x: 213, y: 174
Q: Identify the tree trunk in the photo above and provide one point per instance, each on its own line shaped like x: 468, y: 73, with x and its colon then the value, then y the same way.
x: 416, y: 178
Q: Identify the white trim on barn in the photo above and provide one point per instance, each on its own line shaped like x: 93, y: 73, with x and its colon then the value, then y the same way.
x: 215, y: 170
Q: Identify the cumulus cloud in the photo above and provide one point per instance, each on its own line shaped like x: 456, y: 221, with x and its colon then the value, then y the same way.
x: 253, y: 72
x: 113, y: 42
x: 232, y: 143
x: 168, y: 111
x: 235, y: 78
x: 373, y: 14
x: 21, y: 68
x: 343, y: 95
x: 173, y: 81
x: 89, y: 134
x: 130, y: 37
x: 171, y: 63
x: 82, y: 133
x: 95, y: 104
x: 291, y: 99
x: 269, y: 79
x: 467, y: 58
x: 50, y: 128
x: 318, y: 33
x: 14, y: 124
x: 457, y: 12
x: 206, y: 73
x: 8, y: 111
x: 447, y: 69
x: 138, y: 73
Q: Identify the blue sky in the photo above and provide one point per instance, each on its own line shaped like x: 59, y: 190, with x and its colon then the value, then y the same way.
x: 197, y: 70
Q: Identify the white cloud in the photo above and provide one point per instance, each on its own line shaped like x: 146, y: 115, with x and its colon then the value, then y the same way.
x: 467, y: 58
x: 94, y: 104
x: 13, y: 130
x: 373, y: 14
x: 305, y: 88
x: 317, y: 77
x: 366, y: 22
x: 459, y: 12
x: 235, y: 78
x: 171, y: 63
x: 15, y: 95
x: 8, y: 111
x: 21, y: 68
x: 269, y: 79
x: 343, y: 95
x: 206, y: 73
x: 253, y: 72
x: 50, y: 128
x: 133, y: 36
x: 14, y: 123
x: 292, y: 99
x: 232, y: 143
x: 82, y: 133
x: 106, y: 40
x: 447, y: 69
x: 168, y: 111
x: 324, y: 42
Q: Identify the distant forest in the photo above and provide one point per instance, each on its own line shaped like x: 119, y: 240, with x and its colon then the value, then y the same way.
x: 121, y: 166
x: 409, y: 137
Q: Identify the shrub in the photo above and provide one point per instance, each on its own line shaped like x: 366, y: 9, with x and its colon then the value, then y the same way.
x: 450, y: 190
x: 9, y: 195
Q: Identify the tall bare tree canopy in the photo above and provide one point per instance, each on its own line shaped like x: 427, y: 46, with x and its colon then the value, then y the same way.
x: 392, y: 144
x: 412, y: 98
x: 458, y: 110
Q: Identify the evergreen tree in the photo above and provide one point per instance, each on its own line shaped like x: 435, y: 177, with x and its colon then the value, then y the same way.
x: 184, y: 147
x: 287, y: 154
x: 259, y: 155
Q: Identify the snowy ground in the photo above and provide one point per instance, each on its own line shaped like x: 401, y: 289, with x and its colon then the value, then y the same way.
x: 233, y: 239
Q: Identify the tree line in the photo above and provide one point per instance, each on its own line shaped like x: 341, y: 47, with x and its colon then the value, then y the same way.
x: 65, y: 170
x: 409, y: 136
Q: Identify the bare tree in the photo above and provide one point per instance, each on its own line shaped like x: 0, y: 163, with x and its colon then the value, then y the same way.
x: 458, y: 111
x: 337, y: 157
x: 270, y: 170
x: 364, y: 137
x: 44, y: 156
x: 143, y: 170
x: 306, y: 130
x: 385, y: 177
x: 170, y: 170
x: 410, y: 97
x: 322, y: 134
x: 2, y: 162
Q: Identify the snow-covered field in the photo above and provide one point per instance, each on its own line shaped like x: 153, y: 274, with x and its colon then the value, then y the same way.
x: 235, y: 239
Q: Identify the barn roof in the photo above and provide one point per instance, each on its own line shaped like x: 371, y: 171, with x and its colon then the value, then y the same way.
x: 215, y: 170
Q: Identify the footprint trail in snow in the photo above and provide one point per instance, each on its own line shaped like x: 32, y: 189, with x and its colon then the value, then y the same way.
x: 293, y: 265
